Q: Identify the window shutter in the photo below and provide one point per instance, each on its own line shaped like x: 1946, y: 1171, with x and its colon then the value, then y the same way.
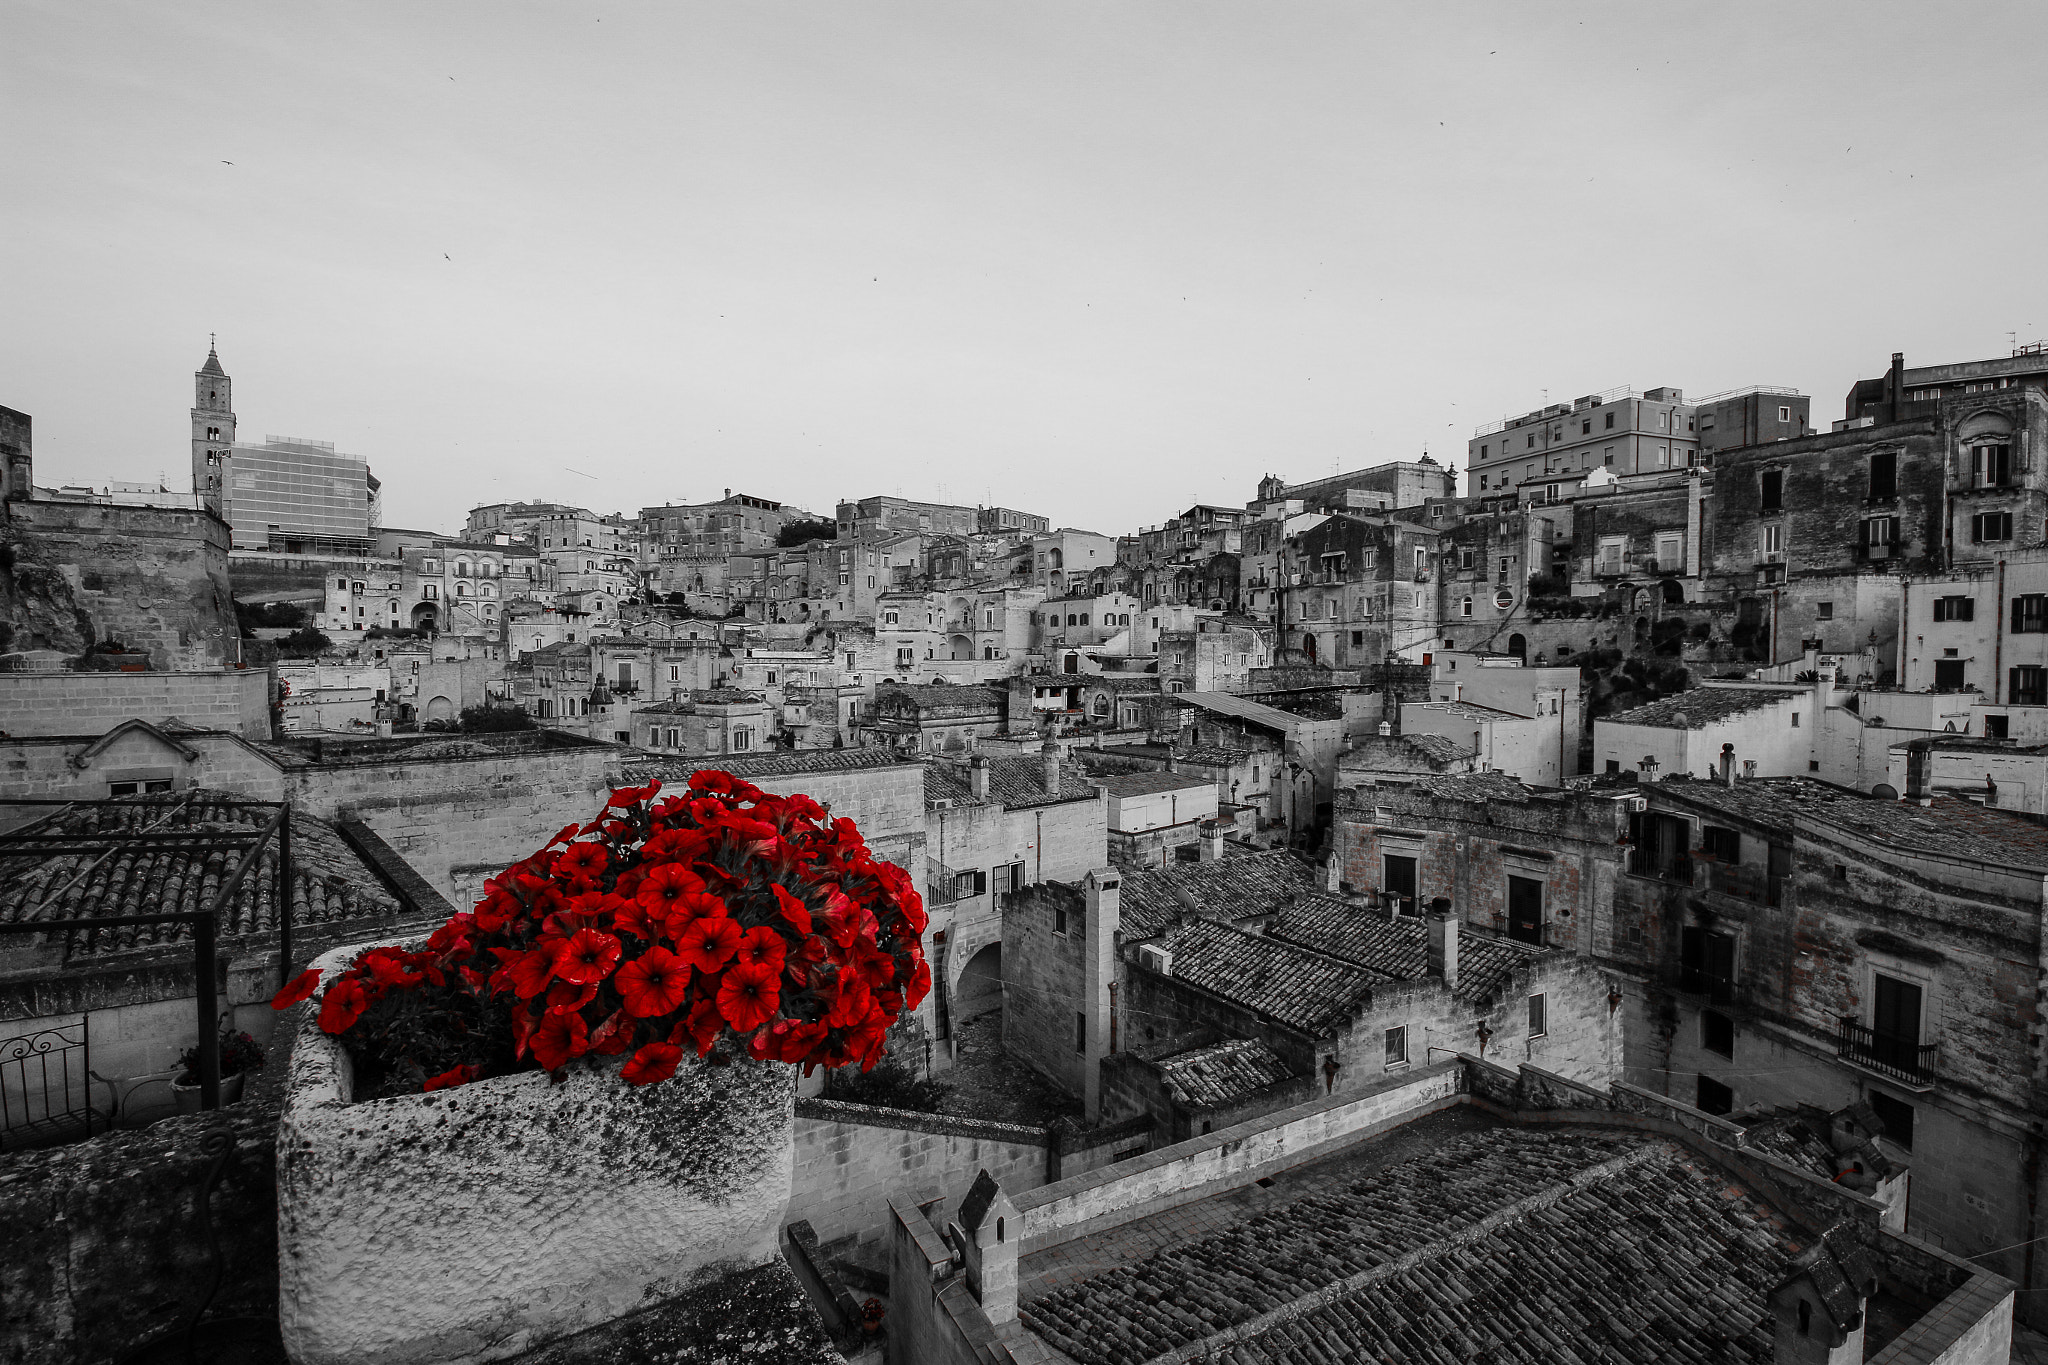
x: 2017, y: 614
x: 1968, y: 609
x: 2012, y: 684
x: 981, y: 883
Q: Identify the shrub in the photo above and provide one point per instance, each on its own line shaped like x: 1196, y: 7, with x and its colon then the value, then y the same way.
x: 890, y: 1085
x: 491, y: 720
x: 304, y: 643
x: 239, y: 1052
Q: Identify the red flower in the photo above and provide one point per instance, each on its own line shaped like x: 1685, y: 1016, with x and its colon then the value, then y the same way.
x: 528, y: 972
x: 846, y: 921
x: 703, y: 1026
x: 560, y: 1037
x: 747, y: 996
x: 343, y: 1004
x: 874, y: 967
x: 867, y: 1038
x: 653, y: 983
x: 588, y: 958
x: 920, y: 983
x: 613, y: 1036
x: 389, y: 967
x: 709, y: 943
x: 761, y: 946
x: 655, y: 1062
x: 625, y: 798
x: 845, y: 998
x: 296, y: 989
x: 562, y: 997
x: 569, y: 832
x: 449, y: 1079
x: 793, y: 910
x: 662, y: 887
x: 582, y: 858
x: 696, y: 905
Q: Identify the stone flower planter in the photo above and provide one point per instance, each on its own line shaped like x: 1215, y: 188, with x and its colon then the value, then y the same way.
x: 475, y: 1223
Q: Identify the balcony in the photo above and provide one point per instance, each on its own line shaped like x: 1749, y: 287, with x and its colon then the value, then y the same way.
x: 1906, y: 1060
x: 1737, y: 880
x: 1644, y: 862
x: 1713, y: 990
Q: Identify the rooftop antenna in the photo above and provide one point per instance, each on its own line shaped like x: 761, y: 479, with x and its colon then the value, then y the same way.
x: 2013, y: 342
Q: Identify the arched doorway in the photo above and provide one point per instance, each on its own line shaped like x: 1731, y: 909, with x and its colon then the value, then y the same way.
x: 1308, y: 646
x: 980, y: 988
x: 1674, y: 593
x: 1518, y: 646
x: 963, y: 647
x: 440, y: 708
x: 425, y: 617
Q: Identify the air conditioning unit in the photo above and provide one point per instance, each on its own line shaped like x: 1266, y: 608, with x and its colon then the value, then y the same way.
x: 1294, y: 579
x: 941, y: 803
x: 1156, y: 958
x: 1638, y: 804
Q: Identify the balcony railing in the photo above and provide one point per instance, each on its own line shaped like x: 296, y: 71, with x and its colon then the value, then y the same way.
x: 1716, y: 990
x: 1643, y: 863
x: 1904, y: 1059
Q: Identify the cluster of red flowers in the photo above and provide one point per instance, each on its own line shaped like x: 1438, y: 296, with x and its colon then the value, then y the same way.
x: 724, y: 912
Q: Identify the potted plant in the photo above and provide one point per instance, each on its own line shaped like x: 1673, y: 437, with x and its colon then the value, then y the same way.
x: 239, y: 1055
x: 577, y: 1098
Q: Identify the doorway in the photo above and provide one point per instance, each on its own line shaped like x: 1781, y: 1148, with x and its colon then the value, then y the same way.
x: 1525, y: 910
x: 1400, y: 885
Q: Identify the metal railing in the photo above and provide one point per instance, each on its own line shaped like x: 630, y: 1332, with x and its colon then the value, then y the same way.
x: 1642, y: 863
x: 46, y: 1085
x: 1905, y: 1059
x: 1776, y: 390
x: 1717, y: 990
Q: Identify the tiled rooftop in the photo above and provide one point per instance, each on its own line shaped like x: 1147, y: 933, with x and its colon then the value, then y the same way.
x: 1945, y: 826
x: 941, y: 694
x: 1702, y: 706
x: 1013, y: 783
x: 1566, y: 1244
x: 1300, y: 989
x: 753, y: 767
x: 1223, y: 1072
x: 1235, y: 887
x: 1398, y: 948
x: 330, y: 882
x: 1152, y: 782
x: 1437, y: 748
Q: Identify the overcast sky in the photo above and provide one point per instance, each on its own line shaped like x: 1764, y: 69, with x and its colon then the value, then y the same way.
x: 1094, y: 260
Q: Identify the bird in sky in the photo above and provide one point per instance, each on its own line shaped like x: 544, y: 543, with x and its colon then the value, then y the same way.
x: 446, y: 257
x: 227, y: 163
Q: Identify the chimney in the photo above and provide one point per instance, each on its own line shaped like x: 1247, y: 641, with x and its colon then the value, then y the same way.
x: 1386, y: 729
x: 1049, y: 759
x: 990, y: 1235
x: 1727, y: 765
x: 1212, y: 841
x: 1919, y: 770
x: 1894, y: 386
x: 977, y: 778
x: 1102, y: 918
x: 1443, y: 942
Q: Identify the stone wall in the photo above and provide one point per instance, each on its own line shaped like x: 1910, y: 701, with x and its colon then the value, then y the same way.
x: 848, y: 1155
x: 235, y: 700
x: 101, y: 1246
x: 153, y: 578
x: 1045, y: 982
x: 47, y: 767
x: 1227, y: 1158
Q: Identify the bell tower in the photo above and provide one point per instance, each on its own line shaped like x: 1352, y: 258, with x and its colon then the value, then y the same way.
x: 213, y: 431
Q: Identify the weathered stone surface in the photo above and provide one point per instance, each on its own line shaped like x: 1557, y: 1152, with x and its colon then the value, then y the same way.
x: 476, y: 1223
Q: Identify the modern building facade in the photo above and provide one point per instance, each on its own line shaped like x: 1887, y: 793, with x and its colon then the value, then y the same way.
x: 1622, y: 430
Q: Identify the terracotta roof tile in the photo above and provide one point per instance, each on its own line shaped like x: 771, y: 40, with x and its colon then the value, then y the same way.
x: 1398, y: 948
x: 1300, y: 989
x: 1223, y: 1072
x: 1234, y: 888
x: 1013, y: 783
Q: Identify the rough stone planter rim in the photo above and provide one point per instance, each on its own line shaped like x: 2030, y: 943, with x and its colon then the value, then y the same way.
x: 475, y: 1223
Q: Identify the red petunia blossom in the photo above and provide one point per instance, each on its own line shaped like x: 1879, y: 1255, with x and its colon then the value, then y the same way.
x: 873, y: 966
x: 663, y: 886
x: 449, y: 1079
x: 747, y: 997
x: 613, y: 1036
x: 587, y: 858
x: 569, y: 832
x: 654, y: 1062
x: 343, y: 1004
x: 563, y: 996
x: 625, y: 798
x: 867, y: 1039
x: 528, y: 972
x: 653, y: 983
x: 846, y: 921
x: 845, y: 998
x: 389, y: 967
x: 697, y: 905
x: 761, y: 946
x: 296, y: 989
x: 920, y: 984
x: 703, y: 1026
x: 560, y: 1036
x: 709, y: 943
x: 588, y: 957
x: 793, y: 910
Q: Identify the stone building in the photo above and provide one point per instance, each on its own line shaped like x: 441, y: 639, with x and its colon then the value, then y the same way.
x: 993, y: 826
x: 1806, y: 945
x: 931, y: 719
x: 1621, y: 430
x: 1380, y: 488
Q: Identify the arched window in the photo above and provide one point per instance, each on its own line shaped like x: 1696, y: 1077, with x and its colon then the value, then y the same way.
x: 1123, y: 618
x: 462, y: 589
x: 462, y: 568
x: 1101, y: 705
x: 1084, y: 618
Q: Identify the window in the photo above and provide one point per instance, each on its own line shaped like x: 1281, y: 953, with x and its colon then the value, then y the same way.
x: 1586, y: 427
x: 2027, y: 686
x: 1989, y: 526
x: 1080, y: 1033
x: 1784, y: 414
x: 1795, y: 720
x: 1397, y: 1046
x: 1771, y: 542
x: 1955, y: 609
x: 1464, y: 606
x: 1991, y: 466
x: 2030, y: 613
x: 1996, y: 727
x: 1610, y: 422
x: 1706, y: 963
x: 1399, y: 884
x: 1612, y: 555
x: 1717, y: 1033
x: 1537, y: 1025
x: 1714, y: 1097
x: 1720, y: 844
x: 1896, y: 1116
x: 1059, y: 920
x: 1878, y: 531
x: 1884, y: 474
x: 1465, y: 558
x: 1771, y: 491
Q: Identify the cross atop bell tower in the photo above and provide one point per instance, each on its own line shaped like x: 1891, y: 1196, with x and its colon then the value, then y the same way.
x: 213, y: 429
